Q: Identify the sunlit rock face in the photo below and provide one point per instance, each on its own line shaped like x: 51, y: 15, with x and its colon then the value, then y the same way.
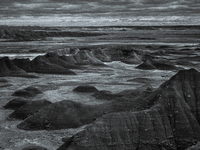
x: 169, y: 120
x: 7, y: 68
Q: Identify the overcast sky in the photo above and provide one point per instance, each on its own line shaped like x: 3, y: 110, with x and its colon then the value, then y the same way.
x: 101, y: 12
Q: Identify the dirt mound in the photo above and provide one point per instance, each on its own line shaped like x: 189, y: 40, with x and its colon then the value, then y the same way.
x: 157, y: 64
x: 99, y: 54
x: 29, y: 109
x: 16, y: 103
x: 62, y: 115
x: 7, y: 68
x: 27, y: 92
x: 85, y: 57
x: 85, y: 89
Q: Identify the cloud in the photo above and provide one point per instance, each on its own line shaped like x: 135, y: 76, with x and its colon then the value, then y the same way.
x: 119, y: 10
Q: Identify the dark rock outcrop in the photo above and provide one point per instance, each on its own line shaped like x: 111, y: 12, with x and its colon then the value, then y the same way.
x: 61, y: 115
x: 157, y: 64
x: 140, y: 80
x: 99, y: 54
x: 133, y: 58
x: 51, y: 64
x: 106, y: 95
x: 7, y: 68
x: 85, y: 57
x: 85, y: 89
x: 29, y: 109
x: 34, y: 148
x: 167, y: 119
x: 16, y: 103
x: 147, y: 65
x: 24, y: 64
x: 27, y: 92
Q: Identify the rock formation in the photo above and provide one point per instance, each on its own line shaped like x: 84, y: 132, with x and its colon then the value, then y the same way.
x: 7, y: 68
x: 168, y: 118
x: 85, y: 89
x: 16, y: 103
x: 85, y: 57
x: 24, y: 64
x: 51, y: 64
x: 34, y: 148
x: 157, y: 64
x: 61, y: 115
x: 99, y: 54
x: 133, y: 58
x: 29, y: 109
x: 27, y: 92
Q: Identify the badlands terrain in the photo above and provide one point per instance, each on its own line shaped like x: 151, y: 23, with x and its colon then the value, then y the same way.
x: 100, y: 88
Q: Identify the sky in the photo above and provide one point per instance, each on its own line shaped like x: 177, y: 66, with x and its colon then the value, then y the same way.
x: 99, y: 13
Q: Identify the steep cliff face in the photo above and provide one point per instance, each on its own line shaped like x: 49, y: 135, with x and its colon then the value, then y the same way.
x: 169, y: 119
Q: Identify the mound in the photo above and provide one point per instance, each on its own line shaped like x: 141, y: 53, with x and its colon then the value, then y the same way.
x: 106, y: 95
x: 132, y: 59
x: 157, y: 64
x: 24, y: 64
x: 29, y: 109
x: 15, y: 103
x: 3, y: 80
x: 51, y: 64
x: 34, y: 148
x: 69, y: 59
x: 169, y: 120
x: 27, y: 92
x: 140, y: 80
x: 117, y: 56
x: 147, y: 65
x: 99, y: 54
x: 85, y: 89
x: 62, y: 115
x: 85, y: 57
x: 7, y: 68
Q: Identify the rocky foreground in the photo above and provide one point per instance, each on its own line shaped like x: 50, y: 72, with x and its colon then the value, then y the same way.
x: 168, y: 119
x: 146, y: 118
x: 165, y: 118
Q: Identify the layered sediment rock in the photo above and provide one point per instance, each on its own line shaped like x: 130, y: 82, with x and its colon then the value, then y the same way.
x: 85, y: 89
x: 99, y: 54
x: 27, y: 92
x: 61, y: 115
x: 51, y: 64
x: 157, y: 64
x: 7, y: 68
x: 29, y: 109
x: 85, y: 57
x: 168, y: 119
x: 133, y: 58
x: 16, y: 103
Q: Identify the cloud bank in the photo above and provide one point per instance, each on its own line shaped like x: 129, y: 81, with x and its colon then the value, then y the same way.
x: 102, y: 12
